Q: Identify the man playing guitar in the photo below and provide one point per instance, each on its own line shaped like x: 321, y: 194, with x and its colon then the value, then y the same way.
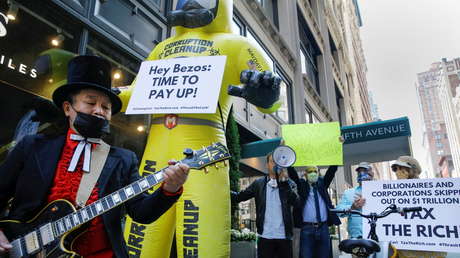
x: 42, y: 169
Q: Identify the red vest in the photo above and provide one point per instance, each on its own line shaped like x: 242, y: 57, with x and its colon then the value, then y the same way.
x: 94, y: 243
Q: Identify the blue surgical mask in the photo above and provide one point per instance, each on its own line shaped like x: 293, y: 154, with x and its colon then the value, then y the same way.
x: 363, y: 176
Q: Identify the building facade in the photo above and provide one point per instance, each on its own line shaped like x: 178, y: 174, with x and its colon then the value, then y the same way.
x: 435, y: 129
x: 449, y: 82
x: 313, y: 45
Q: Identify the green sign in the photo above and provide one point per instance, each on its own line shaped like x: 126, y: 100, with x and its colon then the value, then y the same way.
x: 314, y: 144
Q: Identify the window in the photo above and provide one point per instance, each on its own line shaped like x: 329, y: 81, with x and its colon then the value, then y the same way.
x: 271, y: 10
x: 129, y: 23
x: 283, y: 111
x: 253, y: 39
x: 309, y: 52
x: 285, y: 86
x: 124, y: 68
x: 237, y: 27
x: 316, y: 119
x: 308, y: 115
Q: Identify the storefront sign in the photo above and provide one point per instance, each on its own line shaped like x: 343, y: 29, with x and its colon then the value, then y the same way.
x: 435, y: 228
x: 179, y: 85
x: 376, y: 130
x: 11, y: 64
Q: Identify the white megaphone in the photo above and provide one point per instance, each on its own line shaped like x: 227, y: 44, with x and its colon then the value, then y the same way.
x: 284, y: 156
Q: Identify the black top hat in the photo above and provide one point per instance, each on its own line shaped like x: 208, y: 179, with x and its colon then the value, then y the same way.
x: 88, y: 72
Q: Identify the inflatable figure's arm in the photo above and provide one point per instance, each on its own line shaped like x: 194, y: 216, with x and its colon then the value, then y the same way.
x: 260, y: 86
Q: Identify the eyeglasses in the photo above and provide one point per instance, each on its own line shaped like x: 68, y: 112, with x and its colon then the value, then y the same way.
x: 311, y: 171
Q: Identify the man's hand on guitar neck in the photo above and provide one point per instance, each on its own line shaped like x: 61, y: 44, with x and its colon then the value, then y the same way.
x: 4, y: 243
x: 175, y: 176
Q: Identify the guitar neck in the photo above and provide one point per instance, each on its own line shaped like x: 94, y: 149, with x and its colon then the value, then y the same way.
x: 83, y: 215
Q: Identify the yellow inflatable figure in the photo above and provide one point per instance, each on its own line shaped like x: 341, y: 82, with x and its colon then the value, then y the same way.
x: 201, y: 218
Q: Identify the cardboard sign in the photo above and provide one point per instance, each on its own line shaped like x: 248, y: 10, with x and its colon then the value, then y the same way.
x: 314, y: 144
x: 179, y: 85
x: 435, y: 228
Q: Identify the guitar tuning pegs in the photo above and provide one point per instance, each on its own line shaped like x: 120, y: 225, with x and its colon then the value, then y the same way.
x: 225, y: 163
x: 216, y: 166
x: 188, y: 152
x: 205, y: 170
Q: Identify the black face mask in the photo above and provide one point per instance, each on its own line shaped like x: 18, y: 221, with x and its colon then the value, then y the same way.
x: 192, y: 15
x: 90, y: 126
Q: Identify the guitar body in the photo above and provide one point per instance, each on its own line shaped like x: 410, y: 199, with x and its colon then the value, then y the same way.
x: 60, y: 247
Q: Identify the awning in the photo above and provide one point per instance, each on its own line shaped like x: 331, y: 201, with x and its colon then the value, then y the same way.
x: 376, y: 141
x: 253, y: 154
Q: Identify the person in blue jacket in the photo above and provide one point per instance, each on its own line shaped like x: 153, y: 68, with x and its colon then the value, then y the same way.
x: 352, y: 199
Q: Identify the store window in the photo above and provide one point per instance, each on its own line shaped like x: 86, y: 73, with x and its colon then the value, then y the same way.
x: 35, y: 49
x: 130, y: 23
x: 35, y: 64
x: 126, y: 131
x: 79, y: 6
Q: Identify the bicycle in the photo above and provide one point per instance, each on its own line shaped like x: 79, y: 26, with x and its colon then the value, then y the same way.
x: 363, y: 248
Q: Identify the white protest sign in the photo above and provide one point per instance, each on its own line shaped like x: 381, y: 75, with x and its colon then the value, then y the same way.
x: 179, y: 85
x: 435, y: 228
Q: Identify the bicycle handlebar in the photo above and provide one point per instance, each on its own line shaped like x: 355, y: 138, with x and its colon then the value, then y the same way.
x: 390, y: 209
x: 412, y: 209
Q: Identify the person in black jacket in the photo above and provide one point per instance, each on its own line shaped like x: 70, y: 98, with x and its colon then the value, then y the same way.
x: 43, y: 168
x: 275, y: 196
x: 312, y: 214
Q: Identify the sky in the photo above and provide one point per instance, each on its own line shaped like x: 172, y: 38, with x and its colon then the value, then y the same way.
x: 400, y: 39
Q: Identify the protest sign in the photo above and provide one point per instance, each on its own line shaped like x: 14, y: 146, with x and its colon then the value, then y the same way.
x: 435, y: 228
x: 314, y: 144
x: 179, y: 85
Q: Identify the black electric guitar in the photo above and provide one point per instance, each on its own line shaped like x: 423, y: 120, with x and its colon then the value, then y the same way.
x: 51, y: 232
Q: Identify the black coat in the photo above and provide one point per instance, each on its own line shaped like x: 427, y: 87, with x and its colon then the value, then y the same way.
x: 258, y: 191
x: 28, y: 172
x: 304, y: 189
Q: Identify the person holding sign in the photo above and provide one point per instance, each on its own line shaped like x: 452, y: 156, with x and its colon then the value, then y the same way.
x: 275, y: 195
x: 352, y: 199
x: 407, y: 167
x: 312, y: 214
x: 200, y: 221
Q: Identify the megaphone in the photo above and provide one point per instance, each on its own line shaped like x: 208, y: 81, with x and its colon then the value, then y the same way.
x: 284, y: 156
